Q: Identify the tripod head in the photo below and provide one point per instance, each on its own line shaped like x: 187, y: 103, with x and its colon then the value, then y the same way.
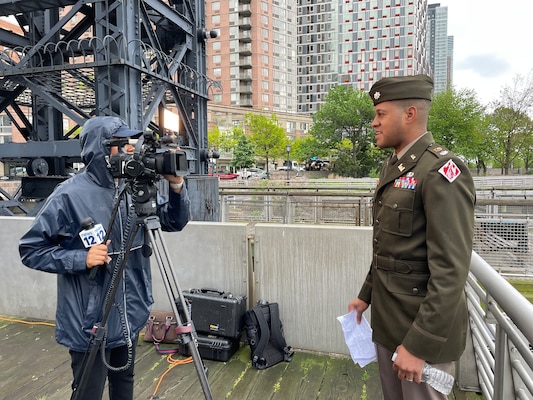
x: 144, y: 196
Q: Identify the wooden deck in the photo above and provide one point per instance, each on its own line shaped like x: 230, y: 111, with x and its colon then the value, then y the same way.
x: 34, y: 367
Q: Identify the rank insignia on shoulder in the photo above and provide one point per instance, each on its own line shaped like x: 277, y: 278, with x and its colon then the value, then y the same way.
x: 450, y: 171
x: 439, y: 150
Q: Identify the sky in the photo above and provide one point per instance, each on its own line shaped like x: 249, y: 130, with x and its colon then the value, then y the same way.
x: 492, y: 43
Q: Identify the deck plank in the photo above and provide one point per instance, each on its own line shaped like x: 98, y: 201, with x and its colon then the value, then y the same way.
x: 34, y: 366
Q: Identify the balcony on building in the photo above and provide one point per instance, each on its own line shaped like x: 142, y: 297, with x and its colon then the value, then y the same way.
x: 245, y: 74
x: 245, y: 35
x: 245, y: 49
x: 245, y: 62
x: 245, y: 88
x: 245, y: 23
x: 245, y: 10
x: 246, y: 100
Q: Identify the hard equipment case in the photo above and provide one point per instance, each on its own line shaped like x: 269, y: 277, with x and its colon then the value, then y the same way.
x: 216, y: 312
x: 213, y: 347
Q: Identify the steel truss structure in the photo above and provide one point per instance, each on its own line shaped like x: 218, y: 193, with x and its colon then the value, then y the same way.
x: 127, y: 58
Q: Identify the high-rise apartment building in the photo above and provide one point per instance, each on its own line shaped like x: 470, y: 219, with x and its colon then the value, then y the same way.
x: 357, y: 43
x: 254, y: 59
x: 254, y: 56
x: 439, y: 47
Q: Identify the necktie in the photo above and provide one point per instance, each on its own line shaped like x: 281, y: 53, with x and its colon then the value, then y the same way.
x: 393, y: 160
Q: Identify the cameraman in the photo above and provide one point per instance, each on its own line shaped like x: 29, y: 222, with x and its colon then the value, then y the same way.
x: 52, y: 244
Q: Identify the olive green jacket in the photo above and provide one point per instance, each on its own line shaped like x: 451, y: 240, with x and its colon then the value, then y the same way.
x: 422, y: 247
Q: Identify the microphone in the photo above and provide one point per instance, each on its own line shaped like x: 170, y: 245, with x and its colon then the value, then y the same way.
x: 91, y: 235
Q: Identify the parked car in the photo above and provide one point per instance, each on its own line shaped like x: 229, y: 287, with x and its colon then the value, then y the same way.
x: 228, y: 176
x: 292, y: 166
x: 247, y: 173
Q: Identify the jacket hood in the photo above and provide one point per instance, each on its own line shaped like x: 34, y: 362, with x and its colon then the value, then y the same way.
x: 94, y: 151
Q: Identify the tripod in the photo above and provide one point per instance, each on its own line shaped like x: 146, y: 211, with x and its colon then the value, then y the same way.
x: 157, y: 247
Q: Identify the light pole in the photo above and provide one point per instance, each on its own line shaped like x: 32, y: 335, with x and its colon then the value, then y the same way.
x: 288, y: 148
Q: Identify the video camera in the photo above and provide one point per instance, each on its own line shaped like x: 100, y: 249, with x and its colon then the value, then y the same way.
x: 153, y: 156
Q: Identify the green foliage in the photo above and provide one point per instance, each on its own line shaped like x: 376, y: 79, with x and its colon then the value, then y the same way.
x: 303, y: 149
x: 510, y: 123
x: 224, y: 140
x: 268, y: 138
x: 243, y: 154
x: 346, y: 114
x: 457, y: 121
x: 511, y: 133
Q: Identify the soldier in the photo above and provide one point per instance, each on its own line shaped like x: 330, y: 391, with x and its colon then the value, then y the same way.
x: 422, y: 244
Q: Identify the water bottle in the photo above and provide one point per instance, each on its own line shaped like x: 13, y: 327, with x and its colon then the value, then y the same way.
x: 439, y: 380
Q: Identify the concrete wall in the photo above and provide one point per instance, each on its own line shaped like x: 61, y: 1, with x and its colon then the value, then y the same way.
x: 311, y: 271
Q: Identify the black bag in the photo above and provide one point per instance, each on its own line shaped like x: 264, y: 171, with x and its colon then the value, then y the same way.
x: 265, y: 336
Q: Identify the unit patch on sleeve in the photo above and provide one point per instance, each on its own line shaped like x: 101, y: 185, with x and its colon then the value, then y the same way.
x: 450, y: 171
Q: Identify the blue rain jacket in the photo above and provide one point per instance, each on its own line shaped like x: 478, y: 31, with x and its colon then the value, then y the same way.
x: 52, y: 244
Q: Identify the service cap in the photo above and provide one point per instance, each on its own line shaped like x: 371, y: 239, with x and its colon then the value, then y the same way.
x: 402, y: 87
x: 124, y: 131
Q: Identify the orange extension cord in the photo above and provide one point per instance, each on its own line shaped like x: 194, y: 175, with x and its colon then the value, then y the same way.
x: 173, y: 363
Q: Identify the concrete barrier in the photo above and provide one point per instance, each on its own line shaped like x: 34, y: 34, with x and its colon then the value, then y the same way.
x: 311, y: 271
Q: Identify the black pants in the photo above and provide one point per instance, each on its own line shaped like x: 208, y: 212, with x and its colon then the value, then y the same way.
x: 120, y: 383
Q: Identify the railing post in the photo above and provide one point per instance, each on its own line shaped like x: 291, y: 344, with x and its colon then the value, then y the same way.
x: 224, y: 209
x: 288, y: 218
x: 503, y: 377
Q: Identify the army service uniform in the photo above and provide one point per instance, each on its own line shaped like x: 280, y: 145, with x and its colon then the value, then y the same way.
x: 422, y: 244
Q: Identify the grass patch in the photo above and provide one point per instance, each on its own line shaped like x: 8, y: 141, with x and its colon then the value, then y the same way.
x: 524, y: 286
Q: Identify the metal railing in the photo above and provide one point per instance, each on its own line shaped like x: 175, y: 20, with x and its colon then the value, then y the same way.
x: 501, y: 323
x: 503, y: 227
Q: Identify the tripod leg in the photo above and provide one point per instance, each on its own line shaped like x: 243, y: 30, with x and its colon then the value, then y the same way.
x: 185, y: 325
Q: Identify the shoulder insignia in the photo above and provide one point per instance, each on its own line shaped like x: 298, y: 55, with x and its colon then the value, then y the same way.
x: 438, y: 150
x: 450, y: 171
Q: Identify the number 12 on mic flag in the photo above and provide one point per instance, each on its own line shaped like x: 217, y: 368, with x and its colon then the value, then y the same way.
x: 93, y: 236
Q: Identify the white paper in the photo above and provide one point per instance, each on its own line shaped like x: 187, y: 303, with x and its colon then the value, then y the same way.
x: 358, y: 338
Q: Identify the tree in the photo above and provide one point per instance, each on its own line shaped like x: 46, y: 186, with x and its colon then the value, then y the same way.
x: 304, y: 149
x: 456, y: 120
x: 510, y: 130
x: 510, y: 122
x: 267, y: 137
x: 243, y: 154
x: 343, y: 123
x: 224, y: 140
x: 527, y: 151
